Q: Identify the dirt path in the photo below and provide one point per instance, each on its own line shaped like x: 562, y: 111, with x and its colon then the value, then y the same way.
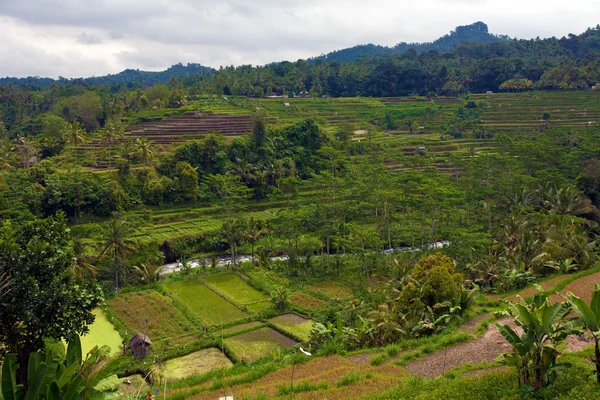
x: 485, y: 348
x: 547, y: 285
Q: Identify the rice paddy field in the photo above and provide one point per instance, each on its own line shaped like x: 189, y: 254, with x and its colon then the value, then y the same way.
x: 218, y: 299
x: 257, y: 344
x: 210, y: 308
x: 232, y: 286
x: 151, y: 313
x: 307, y: 302
x: 331, y: 289
x: 101, y: 333
x: 293, y: 324
x: 197, y: 363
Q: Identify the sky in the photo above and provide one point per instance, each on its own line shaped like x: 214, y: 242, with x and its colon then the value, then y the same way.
x: 81, y: 38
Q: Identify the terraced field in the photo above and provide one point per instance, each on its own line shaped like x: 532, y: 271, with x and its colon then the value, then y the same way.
x: 232, y: 286
x: 257, y: 344
x: 210, y: 308
x: 293, y: 324
x: 151, y: 313
x: 197, y: 363
x: 331, y: 289
x: 307, y: 301
x: 331, y: 377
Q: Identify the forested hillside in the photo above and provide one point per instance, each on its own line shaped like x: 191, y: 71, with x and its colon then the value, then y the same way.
x: 474, y: 33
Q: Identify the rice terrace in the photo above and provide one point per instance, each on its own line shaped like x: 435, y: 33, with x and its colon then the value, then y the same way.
x: 419, y: 221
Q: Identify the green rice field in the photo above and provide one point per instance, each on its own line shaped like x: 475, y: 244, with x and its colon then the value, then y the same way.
x: 211, y: 308
x: 294, y: 325
x: 232, y: 286
x: 257, y: 344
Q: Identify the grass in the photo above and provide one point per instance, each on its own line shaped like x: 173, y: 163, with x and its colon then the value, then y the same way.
x: 307, y: 302
x: 257, y: 344
x: 211, y: 308
x: 198, y: 363
x: 294, y: 325
x: 101, y: 333
x: 232, y: 286
x: 150, y: 312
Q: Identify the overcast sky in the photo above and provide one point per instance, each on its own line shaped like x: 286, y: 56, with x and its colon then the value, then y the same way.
x: 75, y: 38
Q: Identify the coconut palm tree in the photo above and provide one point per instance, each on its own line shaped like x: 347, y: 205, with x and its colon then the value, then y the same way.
x: 116, y: 243
x: 255, y: 229
x: 110, y: 134
x: 145, y: 149
x: 80, y: 260
x: 74, y: 136
x: 149, y: 273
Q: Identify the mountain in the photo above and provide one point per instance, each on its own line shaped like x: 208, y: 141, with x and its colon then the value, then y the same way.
x: 126, y: 77
x: 474, y: 33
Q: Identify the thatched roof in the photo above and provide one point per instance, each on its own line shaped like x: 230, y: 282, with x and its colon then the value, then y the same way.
x: 139, y: 339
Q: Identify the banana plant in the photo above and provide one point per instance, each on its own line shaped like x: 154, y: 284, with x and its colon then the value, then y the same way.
x: 71, y: 378
x: 544, y: 328
x: 589, y: 316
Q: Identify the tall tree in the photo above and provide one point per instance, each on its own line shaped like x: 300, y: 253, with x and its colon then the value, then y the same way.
x: 45, y: 300
x: 75, y: 135
x: 110, y: 134
x: 117, y: 244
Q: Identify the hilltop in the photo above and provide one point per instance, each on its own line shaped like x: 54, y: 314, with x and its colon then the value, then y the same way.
x: 474, y: 33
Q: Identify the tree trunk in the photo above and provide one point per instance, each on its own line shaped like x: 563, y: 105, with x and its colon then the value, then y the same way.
x: 116, y: 272
x: 538, y: 378
x: 23, y: 358
x: 233, y: 263
x: 252, y: 244
x: 525, y: 371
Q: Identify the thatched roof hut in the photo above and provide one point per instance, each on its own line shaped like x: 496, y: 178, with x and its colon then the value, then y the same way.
x: 140, y: 345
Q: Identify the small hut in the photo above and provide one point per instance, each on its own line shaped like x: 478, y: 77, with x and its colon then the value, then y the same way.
x: 140, y: 345
x: 594, y: 88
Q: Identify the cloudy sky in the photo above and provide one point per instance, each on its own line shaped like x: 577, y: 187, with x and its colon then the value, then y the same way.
x: 74, y: 38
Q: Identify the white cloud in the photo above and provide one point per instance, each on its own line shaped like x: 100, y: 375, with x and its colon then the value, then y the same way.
x: 81, y: 38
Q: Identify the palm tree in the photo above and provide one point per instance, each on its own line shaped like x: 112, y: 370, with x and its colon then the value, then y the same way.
x: 111, y: 133
x: 149, y: 273
x: 254, y: 230
x: 232, y: 233
x: 116, y: 243
x: 145, y: 149
x: 128, y: 150
x: 75, y: 135
x: 80, y: 264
